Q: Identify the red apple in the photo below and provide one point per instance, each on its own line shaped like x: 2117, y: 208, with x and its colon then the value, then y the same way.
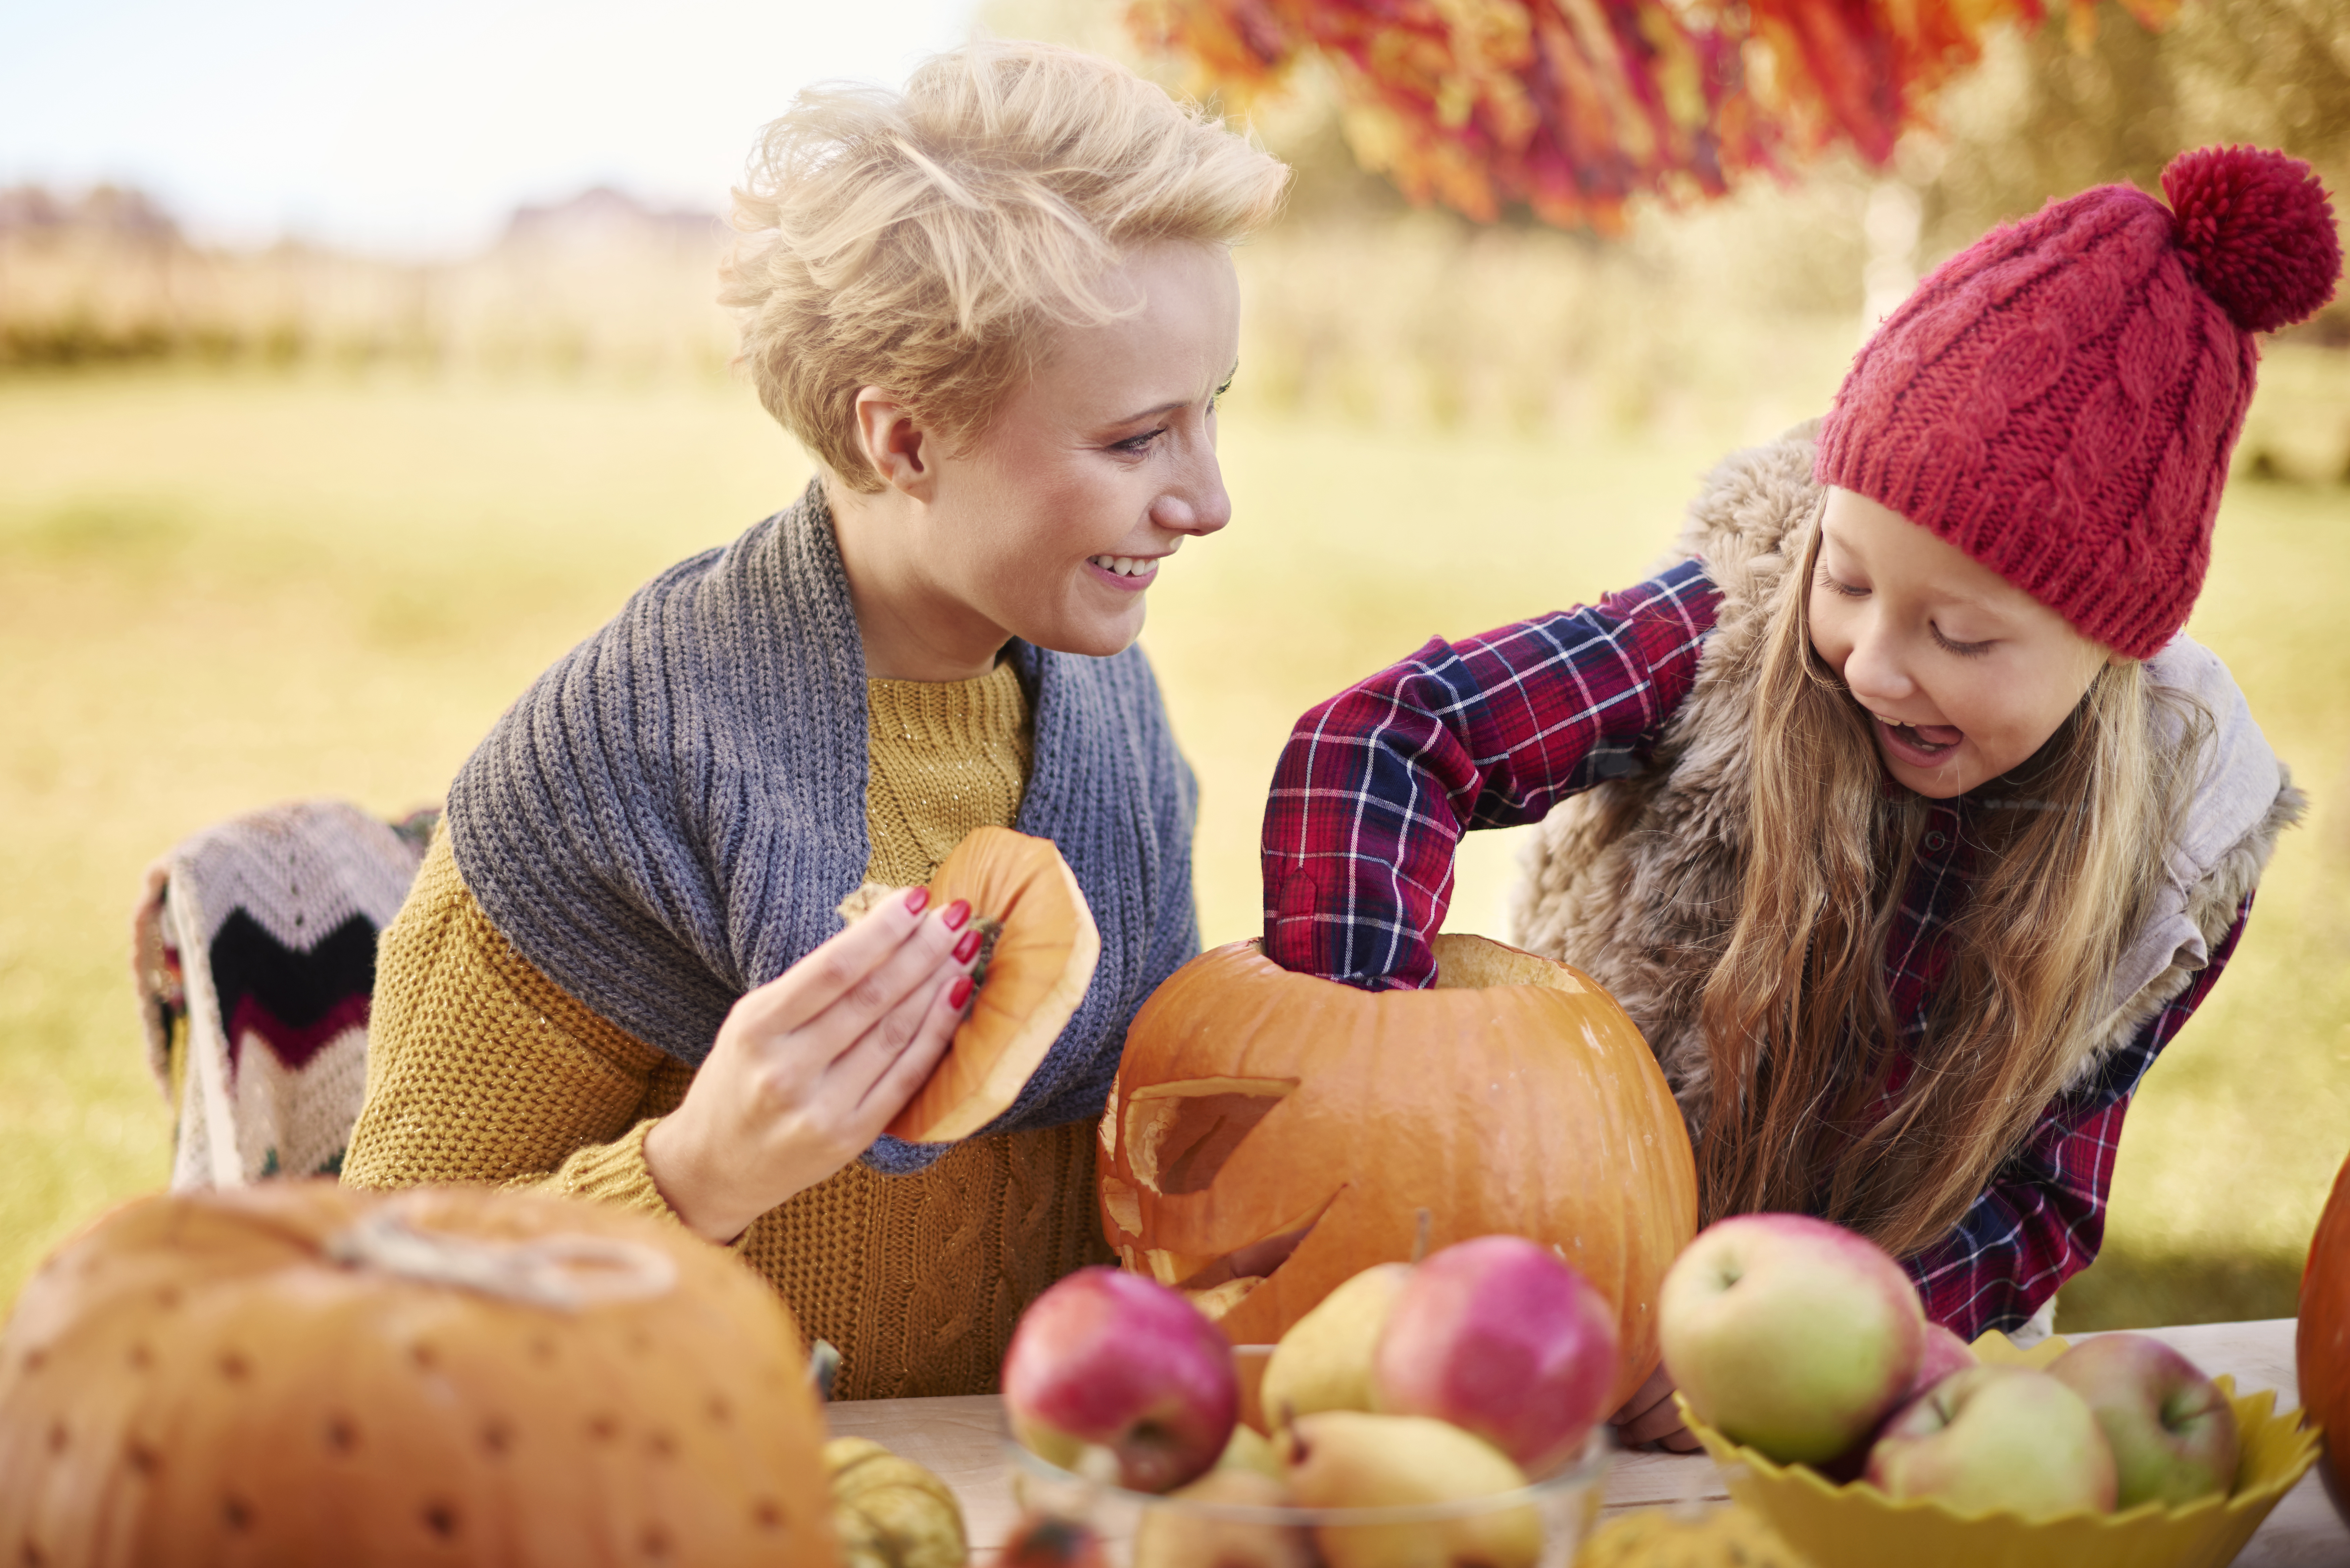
x: 1500, y: 1337
x: 1790, y: 1335
x: 1045, y: 1540
x: 1997, y: 1439
x: 1941, y: 1353
x: 2173, y: 1433
x: 1117, y: 1359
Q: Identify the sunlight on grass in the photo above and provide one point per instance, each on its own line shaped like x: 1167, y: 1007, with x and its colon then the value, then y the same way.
x: 219, y: 592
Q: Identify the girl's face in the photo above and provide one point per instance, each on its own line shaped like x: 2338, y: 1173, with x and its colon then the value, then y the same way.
x: 1963, y: 674
x: 1052, y: 525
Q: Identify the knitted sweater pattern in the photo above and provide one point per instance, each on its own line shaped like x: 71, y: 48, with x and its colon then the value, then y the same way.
x: 671, y: 815
x: 482, y: 1069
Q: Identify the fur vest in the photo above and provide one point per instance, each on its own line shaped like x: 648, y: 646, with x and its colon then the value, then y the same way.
x: 1635, y: 881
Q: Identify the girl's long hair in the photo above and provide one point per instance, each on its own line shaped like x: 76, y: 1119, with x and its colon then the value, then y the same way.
x: 1799, y: 1028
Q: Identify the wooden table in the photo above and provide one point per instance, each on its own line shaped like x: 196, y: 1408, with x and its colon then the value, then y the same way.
x: 960, y: 1439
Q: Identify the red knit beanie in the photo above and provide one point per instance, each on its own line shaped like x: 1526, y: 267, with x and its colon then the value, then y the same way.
x: 2060, y: 399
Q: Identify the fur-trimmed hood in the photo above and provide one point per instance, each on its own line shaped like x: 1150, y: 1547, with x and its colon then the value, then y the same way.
x: 1637, y: 880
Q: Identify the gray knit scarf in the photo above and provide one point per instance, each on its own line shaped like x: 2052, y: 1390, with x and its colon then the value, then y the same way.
x: 671, y: 815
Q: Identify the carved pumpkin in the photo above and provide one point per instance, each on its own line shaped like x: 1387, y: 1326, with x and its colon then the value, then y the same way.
x: 290, y: 1374
x: 1271, y: 1135
x: 1045, y: 947
x: 2322, y: 1340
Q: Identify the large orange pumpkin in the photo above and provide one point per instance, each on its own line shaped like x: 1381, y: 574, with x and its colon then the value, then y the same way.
x: 1045, y: 949
x: 291, y: 1375
x: 2322, y: 1339
x: 1271, y: 1134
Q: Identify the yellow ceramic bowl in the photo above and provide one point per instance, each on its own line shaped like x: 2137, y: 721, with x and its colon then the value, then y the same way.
x: 1857, y: 1526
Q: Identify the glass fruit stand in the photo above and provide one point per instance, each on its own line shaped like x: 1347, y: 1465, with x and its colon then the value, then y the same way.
x: 962, y: 1440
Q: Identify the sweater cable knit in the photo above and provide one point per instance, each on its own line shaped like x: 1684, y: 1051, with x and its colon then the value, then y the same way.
x: 482, y: 1069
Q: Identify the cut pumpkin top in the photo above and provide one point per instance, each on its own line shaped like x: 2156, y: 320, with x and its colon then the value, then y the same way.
x: 482, y: 1069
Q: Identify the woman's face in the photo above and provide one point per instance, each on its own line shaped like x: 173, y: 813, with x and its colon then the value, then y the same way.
x: 1963, y: 674
x: 1054, y: 524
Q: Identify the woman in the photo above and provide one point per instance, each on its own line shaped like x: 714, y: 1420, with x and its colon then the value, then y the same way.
x: 998, y: 309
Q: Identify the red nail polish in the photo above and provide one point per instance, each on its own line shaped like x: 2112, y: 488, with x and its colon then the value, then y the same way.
x: 967, y: 948
x: 956, y: 914
x: 960, y: 994
x: 916, y: 900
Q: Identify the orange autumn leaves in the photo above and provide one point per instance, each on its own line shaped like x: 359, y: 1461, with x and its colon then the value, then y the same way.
x: 1572, y: 108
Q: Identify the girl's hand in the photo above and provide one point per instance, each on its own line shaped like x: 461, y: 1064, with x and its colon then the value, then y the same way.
x: 1650, y: 1417
x: 809, y: 1068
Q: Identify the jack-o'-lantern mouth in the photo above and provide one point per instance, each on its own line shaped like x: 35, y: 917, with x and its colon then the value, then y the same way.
x: 1217, y: 1283
x: 1177, y: 1136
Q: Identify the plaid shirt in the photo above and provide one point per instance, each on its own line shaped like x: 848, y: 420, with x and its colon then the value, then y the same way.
x: 1377, y: 785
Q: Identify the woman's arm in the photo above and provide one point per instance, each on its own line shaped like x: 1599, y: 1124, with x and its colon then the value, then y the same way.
x: 481, y: 1069
x: 2042, y: 1221
x: 1376, y: 784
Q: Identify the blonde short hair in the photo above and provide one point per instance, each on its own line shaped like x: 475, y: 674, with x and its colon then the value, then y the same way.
x: 921, y: 241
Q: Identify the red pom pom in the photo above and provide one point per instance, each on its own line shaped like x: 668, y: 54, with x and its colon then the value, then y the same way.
x: 2258, y: 230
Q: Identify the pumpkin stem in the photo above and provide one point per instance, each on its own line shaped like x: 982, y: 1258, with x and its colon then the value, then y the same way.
x: 824, y: 1368
x: 1420, y: 1226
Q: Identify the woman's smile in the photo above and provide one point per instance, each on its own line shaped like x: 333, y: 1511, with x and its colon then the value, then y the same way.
x: 1130, y: 573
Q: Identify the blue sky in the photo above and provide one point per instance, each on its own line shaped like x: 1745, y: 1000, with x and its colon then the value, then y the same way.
x: 413, y: 128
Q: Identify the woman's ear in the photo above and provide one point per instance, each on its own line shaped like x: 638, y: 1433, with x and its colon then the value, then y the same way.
x: 901, y: 450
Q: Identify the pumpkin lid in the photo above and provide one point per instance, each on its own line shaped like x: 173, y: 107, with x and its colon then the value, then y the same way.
x: 1046, y: 947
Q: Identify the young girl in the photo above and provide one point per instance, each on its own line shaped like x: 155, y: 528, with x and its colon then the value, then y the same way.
x: 1905, y: 823
x: 998, y: 308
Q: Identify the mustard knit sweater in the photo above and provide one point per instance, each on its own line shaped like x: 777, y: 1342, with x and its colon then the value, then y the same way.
x: 482, y: 1069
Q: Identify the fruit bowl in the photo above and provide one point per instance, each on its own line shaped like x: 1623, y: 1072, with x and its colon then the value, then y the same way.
x: 1543, y: 1523
x: 1858, y: 1526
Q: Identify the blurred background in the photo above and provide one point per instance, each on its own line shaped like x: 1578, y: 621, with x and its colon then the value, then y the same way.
x: 354, y: 364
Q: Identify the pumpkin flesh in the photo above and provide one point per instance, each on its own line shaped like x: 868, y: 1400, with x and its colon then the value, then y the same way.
x: 1514, y: 1096
x: 1045, y: 947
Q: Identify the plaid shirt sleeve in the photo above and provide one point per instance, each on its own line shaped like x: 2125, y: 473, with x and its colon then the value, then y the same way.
x: 2041, y: 1222
x: 1376, y: 784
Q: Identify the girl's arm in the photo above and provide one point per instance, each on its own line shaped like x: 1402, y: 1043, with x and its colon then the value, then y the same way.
x: 2042, y: 1220
x: 1376, y: 784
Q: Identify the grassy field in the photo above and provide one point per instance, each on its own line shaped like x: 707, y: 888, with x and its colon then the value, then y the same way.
x: 219, y: 591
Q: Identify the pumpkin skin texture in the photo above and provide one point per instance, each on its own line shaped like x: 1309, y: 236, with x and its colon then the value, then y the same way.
x: 1272, y: 1134
x: 193, y: 1380
x: 2322, y: 1339
x: 1037, y: 972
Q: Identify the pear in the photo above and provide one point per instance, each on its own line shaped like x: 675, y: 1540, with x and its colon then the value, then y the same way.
x: 1172, y: 1537
x: 1251, y: 1451
x: 1324, y: 1362
x: 1347, y: 1458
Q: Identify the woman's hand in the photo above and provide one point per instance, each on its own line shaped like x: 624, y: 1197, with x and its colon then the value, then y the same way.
x: 1650, y: 1416
x: 809, y: 1068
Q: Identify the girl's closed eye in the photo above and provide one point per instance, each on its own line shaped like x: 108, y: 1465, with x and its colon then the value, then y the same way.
x: 1963, y: 650
x: 1846, y: 589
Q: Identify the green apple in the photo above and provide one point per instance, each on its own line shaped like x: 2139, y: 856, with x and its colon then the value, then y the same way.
x: 1789, y: 1334
x: 1997, y: 1439
x: 2173, y: 1433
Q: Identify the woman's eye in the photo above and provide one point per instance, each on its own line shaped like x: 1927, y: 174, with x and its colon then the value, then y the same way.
x: 1846, y: 589
x: 1963, y: 650
x: 1139, y: 444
